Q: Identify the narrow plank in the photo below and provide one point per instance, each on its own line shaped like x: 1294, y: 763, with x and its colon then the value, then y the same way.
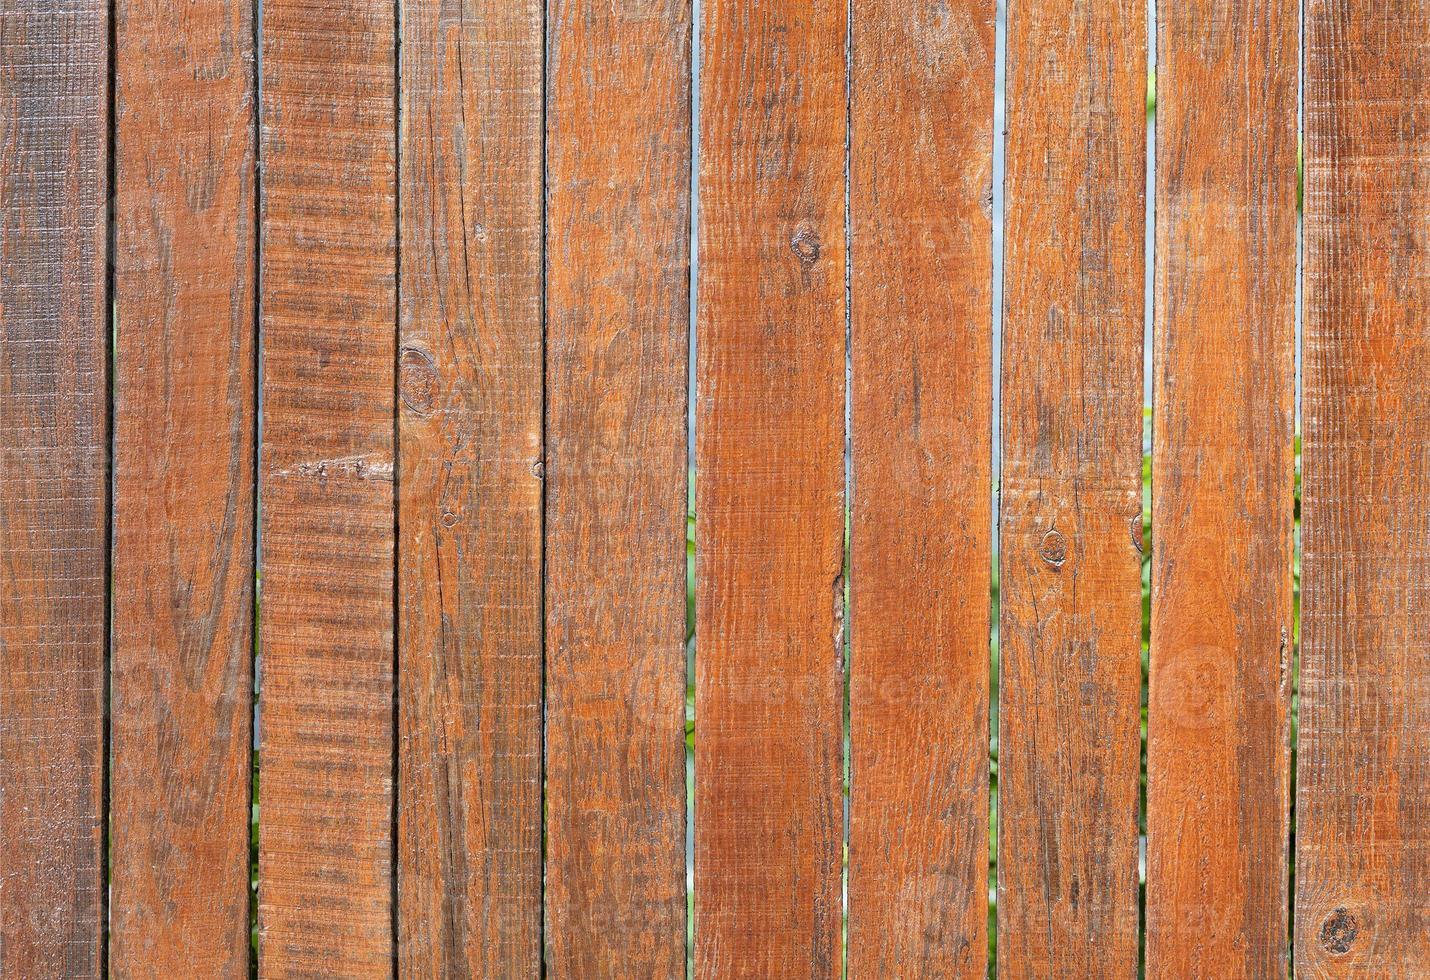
x: 1070, y: 521
x: 329, y: 319
x: 185, y: 401
x: 469, y: 820
x: 1218, y: 766
x: 770, y: 489
x: 54, y: 109
x: 920, y: 541
x: 618, y: 317
x: 1363, y: 806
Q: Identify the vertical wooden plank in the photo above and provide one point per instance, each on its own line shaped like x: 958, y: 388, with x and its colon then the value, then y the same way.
x: 469, y: 821
x: 183, y: 489
x: 618, y: 158
x: 1218, y: 771
x: 1071, y: 489
x: 1363, y: 807
x: 54, y: 117
x: 770, y: 490
x: 922, y: 403
x: 329, y: 322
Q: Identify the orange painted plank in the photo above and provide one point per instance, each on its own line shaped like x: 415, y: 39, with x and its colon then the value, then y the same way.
x: 770, y: 490
x: 920, y: 541
x: 1071, y: 490
x: 185, y: 403
x: 1218, y: 766
x: 617, y: 301
x: 1363, y: 803
x: 329, y: 318
x: 469, y: 819
x: 54, y: 119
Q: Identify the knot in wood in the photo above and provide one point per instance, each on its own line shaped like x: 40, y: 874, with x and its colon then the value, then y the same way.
x: 1054, y: 548
x: 1339, y: 931
x: 805, y: 244
x: 417, y: 380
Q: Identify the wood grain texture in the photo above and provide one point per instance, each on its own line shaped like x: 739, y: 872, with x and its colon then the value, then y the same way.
x: 54, y: 109
x: 1218, y: 766
x: 770, y: 490
x: 329, y: 322
x: 469, y: 820
x: 920, y: 541
x: 185, y: 402
x: 618, y: 178
x: 1071, y: 490
x: 1363, y: 807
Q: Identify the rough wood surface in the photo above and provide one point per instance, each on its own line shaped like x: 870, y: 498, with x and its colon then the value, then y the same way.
x: 1071, y: 490
x: 329, y: 352
x: 54, y: 98
x: 1363, y: 807
x: 770, y: 490
x: 181, y: 711
x: 618, y: 185
x: 922, y: 403
x: 1218, y: 766
x: 469, y: 820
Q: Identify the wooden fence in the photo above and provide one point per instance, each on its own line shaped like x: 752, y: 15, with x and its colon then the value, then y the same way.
x: 451, y: 276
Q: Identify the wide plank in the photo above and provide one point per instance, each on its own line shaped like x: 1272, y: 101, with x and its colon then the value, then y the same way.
x: 1071, y: 507
x: 54, y: 468
x: 921, y: 533
x: 470, y: 388
x: 329, y: 332
x: 770, y: 490
x: 1363, y: 787
x: 618, y: 319
x: 184, y: 418
x: 1218, y: 752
